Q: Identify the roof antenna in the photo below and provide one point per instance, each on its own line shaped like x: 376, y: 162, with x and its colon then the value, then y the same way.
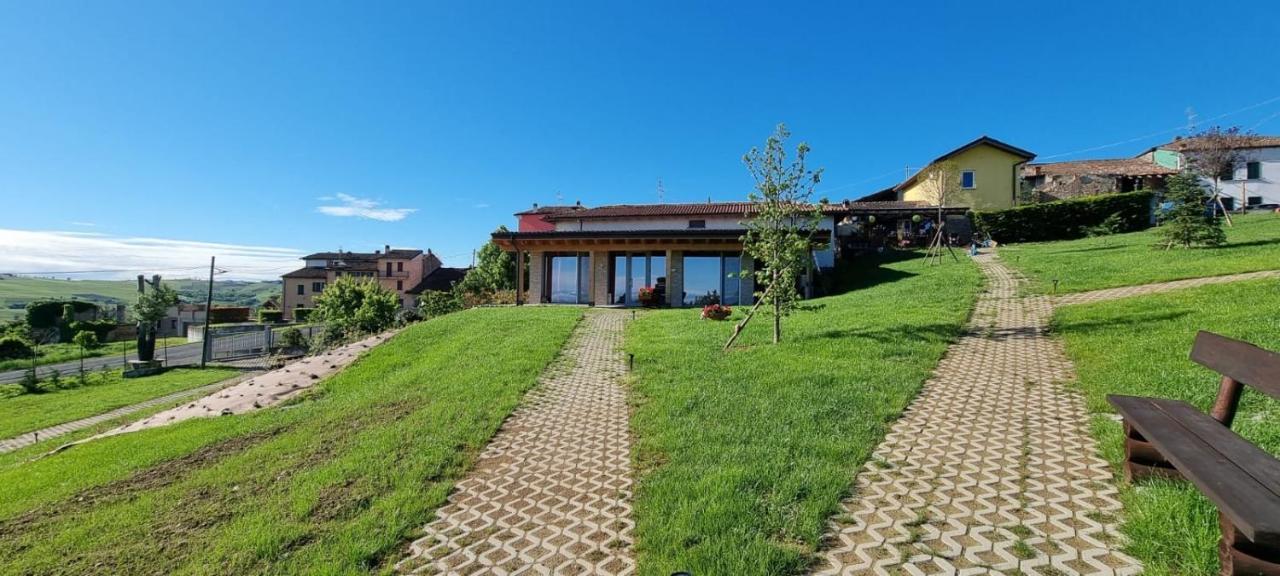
x: 1191, y: 119
x: 559, y: 197
x: 661, y: 191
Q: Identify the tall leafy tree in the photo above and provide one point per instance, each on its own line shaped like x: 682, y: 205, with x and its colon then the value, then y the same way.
x: 779, y: 233
x: 1189, y: 223
x: 495, y: 270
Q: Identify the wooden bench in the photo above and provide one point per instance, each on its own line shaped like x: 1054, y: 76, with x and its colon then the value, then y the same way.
x: 1172, y: 439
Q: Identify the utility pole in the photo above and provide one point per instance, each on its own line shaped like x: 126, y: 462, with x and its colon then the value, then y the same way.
x: 208, y: 315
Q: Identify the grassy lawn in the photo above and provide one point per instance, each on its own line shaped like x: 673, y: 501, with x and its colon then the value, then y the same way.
x: 336, y: 482
x: 15, y: 293
x: 69, y: 352
x: 1129, y: 259
x: 1139, y: 346
x: 106, y: 392
x: 742, y: 457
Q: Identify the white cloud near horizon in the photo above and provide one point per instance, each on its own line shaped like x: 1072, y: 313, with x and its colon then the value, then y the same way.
x: 351, y: 206
x: 102, y: 256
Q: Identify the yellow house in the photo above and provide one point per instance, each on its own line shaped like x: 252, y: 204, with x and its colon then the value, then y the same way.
x: 990, y: 173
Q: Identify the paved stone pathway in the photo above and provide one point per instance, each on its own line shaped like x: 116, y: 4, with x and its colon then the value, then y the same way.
x: 991, y: 470
x: 551, y: 492
x: 30, y: 438
x: 1144, y: 289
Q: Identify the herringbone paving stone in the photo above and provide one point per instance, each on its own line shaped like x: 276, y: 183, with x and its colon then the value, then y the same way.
x: 991, y: 470
x: 1144, y: 289
x: 551, y: 493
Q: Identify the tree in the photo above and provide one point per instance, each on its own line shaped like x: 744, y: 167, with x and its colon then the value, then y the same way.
x: 152, y: 306
x: 939, y: 185
x: 68, y: 318
x: 1214, y: 153
x: 778, y: 234
x: 1189, y: 223
x: 350, y: 306
x: 495, y: 270
x: 86, y: 340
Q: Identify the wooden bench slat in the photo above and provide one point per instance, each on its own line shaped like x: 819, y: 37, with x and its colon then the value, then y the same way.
x: 1207, y: 461
x: 1238, y: 360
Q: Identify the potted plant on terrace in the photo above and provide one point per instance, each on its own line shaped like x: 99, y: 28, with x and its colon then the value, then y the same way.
x: 648, y: 297
x: 716, y: 312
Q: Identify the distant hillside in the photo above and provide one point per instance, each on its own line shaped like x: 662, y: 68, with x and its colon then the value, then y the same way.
x: 16, y: 292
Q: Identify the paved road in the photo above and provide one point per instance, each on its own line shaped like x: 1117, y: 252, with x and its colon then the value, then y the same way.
x: 182, y: 355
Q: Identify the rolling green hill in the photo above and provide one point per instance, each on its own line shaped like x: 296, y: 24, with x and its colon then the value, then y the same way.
x: 16, y: 292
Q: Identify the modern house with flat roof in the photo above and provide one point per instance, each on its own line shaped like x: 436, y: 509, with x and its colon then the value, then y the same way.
x: 688, y: 254
x: 398, y: 270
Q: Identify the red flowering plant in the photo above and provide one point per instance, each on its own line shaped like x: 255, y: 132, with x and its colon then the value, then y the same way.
x: 716, y: 312
x: 648, y: 297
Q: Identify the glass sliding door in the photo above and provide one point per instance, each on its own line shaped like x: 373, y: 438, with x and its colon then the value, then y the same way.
x: 568, y: 278
x: 633, y: 271
x: 712, y: 278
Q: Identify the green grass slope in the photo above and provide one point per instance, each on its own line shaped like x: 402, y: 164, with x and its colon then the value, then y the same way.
x: 743, y: 456
x: 1139, y: 346
x: 335, y: 483
x: 1129, y: 259
x: 106, y: 392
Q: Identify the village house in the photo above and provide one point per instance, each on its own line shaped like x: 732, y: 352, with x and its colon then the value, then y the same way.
x: 1046, y: 182
x: 990, y: 176
x: 1256, y: 178
x: 398, y: 270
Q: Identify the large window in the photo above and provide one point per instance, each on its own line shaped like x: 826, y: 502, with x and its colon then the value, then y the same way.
x: 568, y: 278
x: 712, y: 277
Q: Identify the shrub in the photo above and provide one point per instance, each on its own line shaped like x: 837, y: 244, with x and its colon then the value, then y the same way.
x: 433, y: 303
x: 230, y: 314
x: 100, y: 328
x: 716, y: 312
x: 13, y: 348
x: 48, y: 313
x: 350, y: 306
x: 302, y: 314
x: 270, y: 316
x: 293, y: 338
x: 1067, y: 219
x: 87, y: 340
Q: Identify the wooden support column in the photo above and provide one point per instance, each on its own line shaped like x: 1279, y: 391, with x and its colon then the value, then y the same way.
x: 519, y: 277
x: 1224, y: 406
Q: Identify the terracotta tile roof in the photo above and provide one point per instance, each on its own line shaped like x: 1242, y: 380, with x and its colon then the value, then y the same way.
x: 550, y: 209
x: 308, y: 272
x: 873, y: 205
x: 657, y: 210
x: 1241, y: 141
x: 1107, y: 167
x: 354, y: 256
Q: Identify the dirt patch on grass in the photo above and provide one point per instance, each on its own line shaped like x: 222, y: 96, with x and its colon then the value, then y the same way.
x: 159, y: 476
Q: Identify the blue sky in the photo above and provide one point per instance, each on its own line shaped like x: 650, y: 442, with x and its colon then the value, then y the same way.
x: 315, y: 125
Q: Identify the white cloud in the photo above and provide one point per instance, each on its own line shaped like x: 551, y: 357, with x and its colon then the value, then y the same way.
x: 104, y: 256
x: 363, y: 208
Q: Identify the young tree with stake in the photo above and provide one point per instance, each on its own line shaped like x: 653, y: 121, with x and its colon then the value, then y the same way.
x: 778, y: 233
x: 939, y: 185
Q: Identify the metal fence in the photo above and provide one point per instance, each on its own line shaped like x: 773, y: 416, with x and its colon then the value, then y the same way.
x: 243, y: 342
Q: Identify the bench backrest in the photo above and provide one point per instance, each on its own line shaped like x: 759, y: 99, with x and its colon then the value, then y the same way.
x: 1239, y: 361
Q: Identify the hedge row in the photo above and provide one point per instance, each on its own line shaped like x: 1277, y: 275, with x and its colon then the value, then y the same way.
x: 1066, y: 219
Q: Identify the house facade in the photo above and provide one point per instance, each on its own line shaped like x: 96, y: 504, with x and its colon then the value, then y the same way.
x: 1256, y: 178
x: 686, y: 254
x: 990, y: 176
x: 397, y: 270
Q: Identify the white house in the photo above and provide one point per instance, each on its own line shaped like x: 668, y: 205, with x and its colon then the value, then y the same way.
x: 1257, y: 178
